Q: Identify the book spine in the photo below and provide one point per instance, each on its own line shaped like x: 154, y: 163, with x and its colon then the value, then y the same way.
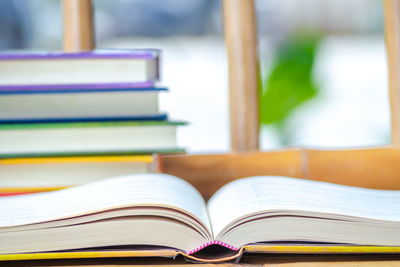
x: 214, y: 242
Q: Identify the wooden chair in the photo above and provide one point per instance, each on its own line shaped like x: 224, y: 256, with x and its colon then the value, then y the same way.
x: 369, y: 167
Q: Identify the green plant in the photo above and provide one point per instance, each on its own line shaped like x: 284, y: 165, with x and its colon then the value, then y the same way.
x: 290, y: 82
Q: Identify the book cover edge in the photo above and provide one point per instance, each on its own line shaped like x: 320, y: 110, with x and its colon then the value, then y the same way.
x: 79, y: 88
x: 97, y: 153
x: 172, y: 253
x: 39, y: 121
x: 84, y: 124
x: 96, y: 54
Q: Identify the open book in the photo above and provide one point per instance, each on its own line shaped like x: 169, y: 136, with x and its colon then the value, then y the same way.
x: 161, y: 215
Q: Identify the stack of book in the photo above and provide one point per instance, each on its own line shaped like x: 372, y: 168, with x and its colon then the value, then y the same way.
x: 72, y: 118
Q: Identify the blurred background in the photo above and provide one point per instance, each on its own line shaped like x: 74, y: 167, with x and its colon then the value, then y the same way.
x: 323, y: 64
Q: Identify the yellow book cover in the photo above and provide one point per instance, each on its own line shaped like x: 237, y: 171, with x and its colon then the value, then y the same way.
x: 39, y: 174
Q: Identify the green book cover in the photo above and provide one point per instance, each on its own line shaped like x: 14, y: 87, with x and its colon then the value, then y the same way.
x: 26, y: 126
x: 97, y: 153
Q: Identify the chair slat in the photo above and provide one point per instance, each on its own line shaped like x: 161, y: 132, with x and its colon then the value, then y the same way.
x: 392, y: 38
x: 78, y: 25
x: 241, y: 44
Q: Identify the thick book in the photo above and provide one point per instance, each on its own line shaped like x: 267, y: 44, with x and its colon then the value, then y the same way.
x: 72, y: 138
x: 87, y: 70
x: 58, y: 105
x: 28, y: 175
x: 162, y: 215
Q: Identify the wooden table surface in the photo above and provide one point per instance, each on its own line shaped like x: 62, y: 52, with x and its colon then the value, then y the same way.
x: 248, y: 260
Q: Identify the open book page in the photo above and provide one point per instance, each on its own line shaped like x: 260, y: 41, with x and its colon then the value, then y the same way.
x: 140, y: 189
x: 257, y: 194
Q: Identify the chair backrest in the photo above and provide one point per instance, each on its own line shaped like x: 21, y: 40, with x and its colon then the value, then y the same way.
x: 241, y: 42
x: 374, y: 168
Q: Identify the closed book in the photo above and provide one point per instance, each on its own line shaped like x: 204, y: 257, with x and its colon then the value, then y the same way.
x: 27, y: 175
x: 87, y: 138
x: 96, y: 69
x: 45, y: 104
